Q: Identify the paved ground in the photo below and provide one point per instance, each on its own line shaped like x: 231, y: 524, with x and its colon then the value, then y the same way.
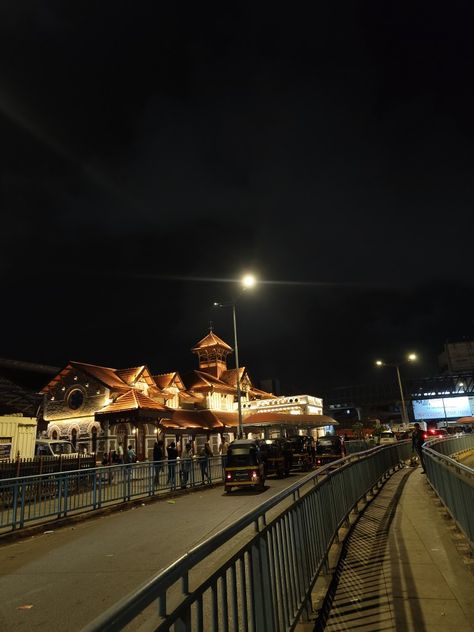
x: 63, y: 578
x: 404, y: 567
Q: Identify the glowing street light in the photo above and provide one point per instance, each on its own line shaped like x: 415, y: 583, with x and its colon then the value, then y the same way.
x: 248, y: 281
x: 411, y: 357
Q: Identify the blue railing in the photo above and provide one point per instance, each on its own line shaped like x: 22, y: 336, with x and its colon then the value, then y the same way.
x: 264, y: 585
x: 451, y: 480
x: 31, y: 499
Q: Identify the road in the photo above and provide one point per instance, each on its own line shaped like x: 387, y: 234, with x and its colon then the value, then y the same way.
x: 65, y: 577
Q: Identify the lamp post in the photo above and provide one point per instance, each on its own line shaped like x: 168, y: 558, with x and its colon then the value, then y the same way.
x: 248, y: 281
x: 410, y: 358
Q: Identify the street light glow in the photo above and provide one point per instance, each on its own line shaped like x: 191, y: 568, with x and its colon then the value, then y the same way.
x: 248, y: 281
x: 409, y: 358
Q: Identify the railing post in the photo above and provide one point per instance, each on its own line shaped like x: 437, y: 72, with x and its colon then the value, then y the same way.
x: 263, y: 608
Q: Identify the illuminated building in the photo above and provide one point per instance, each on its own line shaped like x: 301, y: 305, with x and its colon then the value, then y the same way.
x: 95, y: 407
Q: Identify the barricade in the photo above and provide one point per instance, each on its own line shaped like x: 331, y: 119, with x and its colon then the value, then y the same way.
x: 452, y: 481
x: 265, y: 584
x: 34, y: 499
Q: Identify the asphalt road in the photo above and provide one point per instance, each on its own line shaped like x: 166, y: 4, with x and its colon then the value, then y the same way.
x: 63, y: 578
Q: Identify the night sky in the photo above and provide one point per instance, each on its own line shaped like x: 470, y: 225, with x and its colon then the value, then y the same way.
x: 152, y: 152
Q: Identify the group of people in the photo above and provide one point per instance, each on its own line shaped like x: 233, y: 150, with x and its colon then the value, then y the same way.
x: 185, y: 464
x: 116, y: 457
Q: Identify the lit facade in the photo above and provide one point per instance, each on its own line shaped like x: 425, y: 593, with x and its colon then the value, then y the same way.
x: 97, y: 407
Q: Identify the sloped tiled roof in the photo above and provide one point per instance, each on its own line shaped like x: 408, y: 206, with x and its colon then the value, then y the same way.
x: 133, y: 400
x: 211, y: 340
x: 200, y: 380
x: 130, y: 375
x: 230, y: 376
x: 105, y: 375
x: 188, y: 398
x: 205, y: 419
x: 165, y: 380
x: 133, y: 374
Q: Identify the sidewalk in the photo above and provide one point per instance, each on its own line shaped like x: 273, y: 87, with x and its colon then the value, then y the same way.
x: 404, y: 567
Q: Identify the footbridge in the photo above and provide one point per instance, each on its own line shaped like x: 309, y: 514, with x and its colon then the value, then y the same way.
x: 361, y: 546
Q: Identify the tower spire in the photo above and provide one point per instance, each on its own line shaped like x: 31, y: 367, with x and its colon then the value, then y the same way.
x: 212, y: 352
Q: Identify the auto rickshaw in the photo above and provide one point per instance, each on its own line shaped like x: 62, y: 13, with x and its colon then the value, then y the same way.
x: 276, y: 459
x: 328, y: 449
x: 244, y: 467
x: 300, y: 449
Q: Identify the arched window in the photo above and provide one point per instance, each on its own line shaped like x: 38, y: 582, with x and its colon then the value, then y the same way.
x: 54, y: 435
x: 74, y: 437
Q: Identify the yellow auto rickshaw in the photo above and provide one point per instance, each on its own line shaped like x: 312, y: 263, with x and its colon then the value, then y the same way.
x: 244, y: 466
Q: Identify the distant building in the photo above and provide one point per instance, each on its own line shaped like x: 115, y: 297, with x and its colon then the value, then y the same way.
x: 457, y: 357
x: 97, y: 407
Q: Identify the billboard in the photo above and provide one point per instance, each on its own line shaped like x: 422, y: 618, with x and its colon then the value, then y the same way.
x: 443, y: 407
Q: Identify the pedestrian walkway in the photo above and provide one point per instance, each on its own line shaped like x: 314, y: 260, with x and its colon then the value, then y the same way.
x: 404, y: 567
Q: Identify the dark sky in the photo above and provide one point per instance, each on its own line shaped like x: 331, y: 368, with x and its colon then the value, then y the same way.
x: 148, y: 145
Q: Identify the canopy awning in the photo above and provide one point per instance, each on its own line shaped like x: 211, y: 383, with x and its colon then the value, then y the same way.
x: 270, y: 418
x: 465, y: 420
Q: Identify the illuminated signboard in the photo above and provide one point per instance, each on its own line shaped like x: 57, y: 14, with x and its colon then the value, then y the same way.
x: 443, y: 408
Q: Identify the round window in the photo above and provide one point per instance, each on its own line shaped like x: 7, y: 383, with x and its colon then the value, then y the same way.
x: 75, y: 399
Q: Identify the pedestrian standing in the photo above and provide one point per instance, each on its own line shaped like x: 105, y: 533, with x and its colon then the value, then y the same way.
x: 417, y: 442
x: 131, y: 454
x: 172, y: 456
x: 186, y: 463
x: 120, y: 452
x: 158, y: 456
x: 205, y: 454
x: 224, y: 446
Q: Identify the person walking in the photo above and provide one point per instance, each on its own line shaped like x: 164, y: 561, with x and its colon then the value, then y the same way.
x: 158, y: 456
x: 186, y: 463
x: 172, y: 456
x: 417, y: 442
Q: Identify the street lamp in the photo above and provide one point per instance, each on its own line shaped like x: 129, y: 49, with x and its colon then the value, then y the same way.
x: 411, y: 357
x: 248, y: 281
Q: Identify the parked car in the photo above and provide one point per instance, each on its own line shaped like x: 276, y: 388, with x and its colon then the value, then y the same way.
x: 54, y: 447
x: 387, y: 436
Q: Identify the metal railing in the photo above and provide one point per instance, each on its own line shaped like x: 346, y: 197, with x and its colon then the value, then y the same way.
x: 265, y: 584
x: 30, y: 499
x: 452, y: 481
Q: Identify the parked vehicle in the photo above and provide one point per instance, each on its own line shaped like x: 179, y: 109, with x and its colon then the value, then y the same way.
x: 276, y: 457
x: 299, y: 448
x: 387, y: 436
x: 328, y: 449
x: 54, y: 447
x: 435, y: 433
x: 245, y: 466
